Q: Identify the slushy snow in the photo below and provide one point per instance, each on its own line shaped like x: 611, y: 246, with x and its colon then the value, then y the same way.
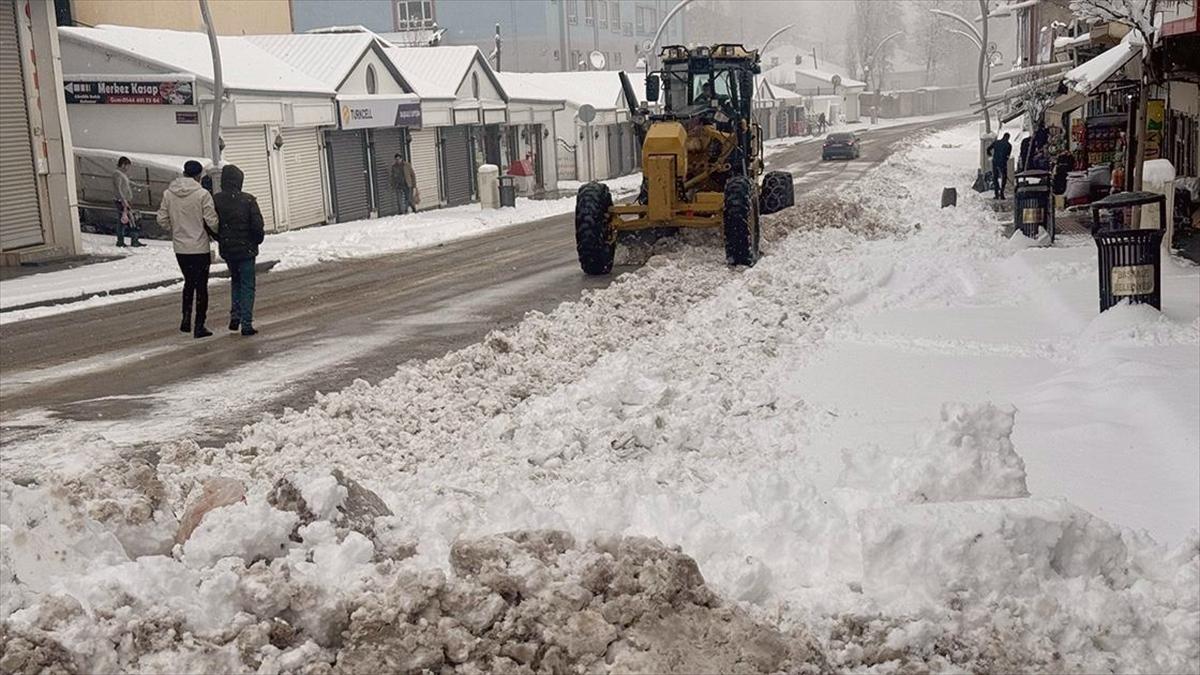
x: 864, y: 454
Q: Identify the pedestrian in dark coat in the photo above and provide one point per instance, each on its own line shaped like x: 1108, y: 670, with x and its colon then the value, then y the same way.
x: 241, y: 231
x: 403, y: 181
x: 1000, y: 151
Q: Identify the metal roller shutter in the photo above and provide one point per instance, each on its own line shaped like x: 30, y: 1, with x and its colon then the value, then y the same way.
x: 614, y: 150
x: 302, y: 164
x: 246, y: 147
x: 385, y: 143
x: 423, y: 147
x: 457, y: 164
x: 21, y: 215
x: 349, y: 174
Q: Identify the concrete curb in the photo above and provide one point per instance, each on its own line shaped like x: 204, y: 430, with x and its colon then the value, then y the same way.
x: 261, y: 267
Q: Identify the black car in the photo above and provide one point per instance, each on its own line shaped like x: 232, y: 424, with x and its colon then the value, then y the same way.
x: 844, y: 145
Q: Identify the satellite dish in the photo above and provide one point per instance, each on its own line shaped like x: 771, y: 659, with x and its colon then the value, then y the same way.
x: 597, y: 60
x: 586, y: 113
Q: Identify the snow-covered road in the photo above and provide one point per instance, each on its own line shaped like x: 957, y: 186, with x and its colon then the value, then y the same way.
x: 898, y: 443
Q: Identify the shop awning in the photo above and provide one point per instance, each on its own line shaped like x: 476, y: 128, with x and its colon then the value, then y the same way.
x: 1039, y: 70
x: 1086, y: 77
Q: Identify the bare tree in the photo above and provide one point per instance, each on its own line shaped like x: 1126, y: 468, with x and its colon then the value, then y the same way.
x: 873, y: 21
x: 929, y: 30
x: 1138, y: 15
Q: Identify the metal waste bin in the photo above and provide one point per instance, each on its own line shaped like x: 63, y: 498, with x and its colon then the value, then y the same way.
x: 1033, y: 203
x: 1130, y: 261
x: 508, y: 191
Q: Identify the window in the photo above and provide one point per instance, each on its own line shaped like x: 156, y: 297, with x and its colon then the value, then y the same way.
x: 475, y: 85
x: 414, y: 14
x: 615, y: 15
x: 627, y: 29
x: 589, y: 12
x: 372, y: 84
x: 639, y: 14
x: 616, y: 58
x: 603, y: 14
x: 576, y: 59
x: 651, y: 21
x: 572, y: 11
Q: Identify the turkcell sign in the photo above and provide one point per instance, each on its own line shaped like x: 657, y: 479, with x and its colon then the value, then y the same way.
x: 369, y: 113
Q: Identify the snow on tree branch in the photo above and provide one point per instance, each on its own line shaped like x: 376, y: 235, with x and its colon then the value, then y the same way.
x: 1137, y: 14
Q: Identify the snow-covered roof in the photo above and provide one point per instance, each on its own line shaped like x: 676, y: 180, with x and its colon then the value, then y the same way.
x: 437, y: 72
x: 245, y: 65
x: 1040, y: 69
x: 600, y: 89
x: 1087, y: 76
x: 1009, y: 8
x: 1066, y: 42
x: 828, y: 76
x: 328, y: 56
x: 415, y: 37
x: 783, y: 93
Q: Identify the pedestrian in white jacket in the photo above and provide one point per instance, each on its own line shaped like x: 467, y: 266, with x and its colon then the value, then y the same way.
x: 187, y: 211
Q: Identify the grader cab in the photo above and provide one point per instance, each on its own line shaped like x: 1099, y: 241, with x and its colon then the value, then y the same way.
x: 701, y: 160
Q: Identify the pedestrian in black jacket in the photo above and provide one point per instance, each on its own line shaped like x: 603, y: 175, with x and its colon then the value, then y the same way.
x: 241, y: 231
x: 1000, y: 151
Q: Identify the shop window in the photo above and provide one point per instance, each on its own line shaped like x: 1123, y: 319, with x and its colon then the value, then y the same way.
x: 372, y: 83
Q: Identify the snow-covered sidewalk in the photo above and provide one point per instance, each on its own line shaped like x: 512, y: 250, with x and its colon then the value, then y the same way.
x: 155, y: 264
x: 899, y: 443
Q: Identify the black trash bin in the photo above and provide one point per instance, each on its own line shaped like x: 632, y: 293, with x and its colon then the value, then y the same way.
x: 1130, y: 261
x: 508, y: 191
x: 1033, y: 203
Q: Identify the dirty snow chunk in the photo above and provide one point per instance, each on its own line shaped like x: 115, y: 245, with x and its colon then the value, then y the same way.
x: 932, y: 554
x: 215, y: 493
x: 323, y: 496
x: 969, y: 456
x: 248, y: 530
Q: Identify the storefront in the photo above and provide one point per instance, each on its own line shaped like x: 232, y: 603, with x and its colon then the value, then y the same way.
x: 371, y: 131
x: 37, y: 187
x: 146, y: 101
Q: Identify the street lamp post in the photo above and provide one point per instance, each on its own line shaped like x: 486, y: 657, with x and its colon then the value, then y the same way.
x: 872, y: 67
x: 218, y: 84
x: 763, y: 48
x: 979, y: 39
x: 649, y: 53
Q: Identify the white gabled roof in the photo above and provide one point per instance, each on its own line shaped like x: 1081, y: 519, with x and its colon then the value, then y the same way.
x: 827, y: 76
x: 328, y: 57
x: 436, y: 72
x: 600, y: 89
x: 244, y: 64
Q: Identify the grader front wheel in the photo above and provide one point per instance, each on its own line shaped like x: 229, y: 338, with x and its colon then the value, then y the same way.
x: 741, y: 222
x: 593, y: 240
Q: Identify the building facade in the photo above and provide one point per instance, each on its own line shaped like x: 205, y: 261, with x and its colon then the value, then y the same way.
x: 555, y: 35
x: 232, y: 17
x: 39, y: 219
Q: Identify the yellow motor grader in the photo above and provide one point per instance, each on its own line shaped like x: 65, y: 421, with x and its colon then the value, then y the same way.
x: 701, y: 159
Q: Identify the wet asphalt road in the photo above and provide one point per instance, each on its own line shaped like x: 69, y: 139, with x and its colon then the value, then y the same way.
x: 342, y: 321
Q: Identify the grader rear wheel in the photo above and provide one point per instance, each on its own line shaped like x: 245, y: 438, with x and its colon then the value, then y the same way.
x: 593, y: 239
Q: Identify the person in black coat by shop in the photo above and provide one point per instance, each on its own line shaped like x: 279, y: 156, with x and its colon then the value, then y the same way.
x: 1000, y: 151
x: 241, y: 231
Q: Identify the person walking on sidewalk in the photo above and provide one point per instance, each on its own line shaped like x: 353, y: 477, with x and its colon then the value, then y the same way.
x: 240, y: 233
x: 123, y: 198
x: 1000, y: 151
x: 187, y: 211
x: 403, y: 181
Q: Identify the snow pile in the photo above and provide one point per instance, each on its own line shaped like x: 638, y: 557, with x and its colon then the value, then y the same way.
x: 489, y: 510
x: 969, y: 456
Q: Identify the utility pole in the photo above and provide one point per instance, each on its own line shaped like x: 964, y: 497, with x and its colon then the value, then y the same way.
x: 815, y: 67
